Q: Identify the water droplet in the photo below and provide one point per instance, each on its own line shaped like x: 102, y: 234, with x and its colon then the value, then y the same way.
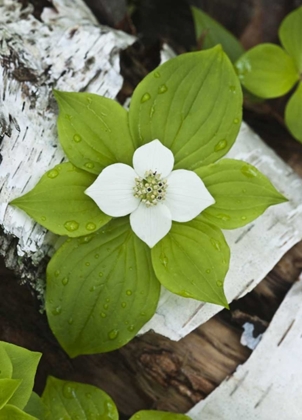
x: 152, y: 110
x: 131, y: 328
x: 162, y: 89
x: 145, y: 97
x: 68, y: 117
x: 249, y: 171
x: 77, y: 138
x: 92, y: 288
x: 236, y: 121
x: 107, y: 300
x: 244, y: 191
x: 112, y: 335
x: 216, y: 244
x: 223, y: 217
x: 70, y: 321
x: 208, y: 271
x: 85, y: 239
x: 87, y: 263
x: 243, y: 218
x: 97, y: 256
x: 100, y: 274
x: 130, y: 268
x: 156, y: 74
x: 71, y: 225
x: 222, y: 144
x: 88, y: 395
x: 184, y: 293
x: 68, y: 390
x: 57, y: 272
x: 219, y: 283
x: 106, y: 306
x: 57, y: 310
x: 128, y: 292
x: 123, y: 304
x: 142, y: 313
x: 43, y: 218
x: 232, y: 89
x: 103, y: 315
x: 163, y: 259
x: 65, y: 281
x: 90, y: 226
x: 89, y: 165
x: 52, y: 174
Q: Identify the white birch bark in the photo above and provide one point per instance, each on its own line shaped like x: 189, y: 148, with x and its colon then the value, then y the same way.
x: 68, y: 51
x: 268, y: 385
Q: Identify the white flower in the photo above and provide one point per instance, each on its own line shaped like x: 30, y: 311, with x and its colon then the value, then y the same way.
x: 151, y: 193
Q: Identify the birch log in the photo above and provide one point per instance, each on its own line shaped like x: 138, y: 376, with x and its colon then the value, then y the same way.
x: 268, y: 385
x: 66, y: 50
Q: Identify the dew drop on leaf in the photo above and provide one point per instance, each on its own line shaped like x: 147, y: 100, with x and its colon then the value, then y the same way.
x: 162, y: 89
x: 68, y: 117
x: 43, y: 218
x: 243, y: 218
x: 77, y: 138
x: 112, y: 335
x: 146, y: 97
x: 223, y: 217
x: 236, y: 121
x: 90, y: 226
x: 123, y: 304
x: 106, y: 306
x: 65, y: 281
x: 248, y: 171
x: 57, y: 310
x: 208, y: 271
x: 100, y: 274
x: 52, y: 174
x: 97, y: 256
x: 131, y: 328
x: 232, y: 88
x: 219, y: 283
x: 216, y: 244
x: 89, y: 165
x: 222, y: 144
x: 92, y: 288
x: 71, y: 225
x: 68, y: 391
x: 57, y: 272
x: 87, y: 263
x: 128, y: 292
x: 157, y: 75
x: 164, y: 260
x: 103, y: 315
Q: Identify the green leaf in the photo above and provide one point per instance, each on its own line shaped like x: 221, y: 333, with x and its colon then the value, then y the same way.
x: 24, y: 364
x: 7, y: 389
x: 192, y: 261
x: 101, y: 289
x: 241, y: 192
x: 10, y: 412
x: 293, y: 113
x: 158, y: 415
x: 58, y: 202
x: 211, y: 33
x: 6, y: 367
x: 35, y: 407
x: 192, y: 104
x: 267, y: 71
x: 72, y: 400
x: 93, y: 130
x: 290, y: 34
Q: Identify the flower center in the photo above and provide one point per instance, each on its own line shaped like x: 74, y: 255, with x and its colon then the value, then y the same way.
x: 151, y: 189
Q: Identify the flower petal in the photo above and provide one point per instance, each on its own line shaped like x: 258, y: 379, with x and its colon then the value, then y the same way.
x: 155, y: 157
x: 113, y: 190
x: 186, y: 195
x: 151, y: 224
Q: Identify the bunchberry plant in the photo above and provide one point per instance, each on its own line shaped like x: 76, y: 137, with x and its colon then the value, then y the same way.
x: 161, y: 164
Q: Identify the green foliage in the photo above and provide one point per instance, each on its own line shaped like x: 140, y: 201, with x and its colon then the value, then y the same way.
x: 101, y: 289
x: 267, y: 71
x: 241, y: 193
x: 35, y: 406
x: 192, y: 261
x: 192, y: 104
x: 290, y: 34
x: 72, y: 400
x: 58, y: 202
x: 158, y: 415
x: 93, y: 131
x: 18, y: 368
x: 210, y: 33
x: 293, y: 113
